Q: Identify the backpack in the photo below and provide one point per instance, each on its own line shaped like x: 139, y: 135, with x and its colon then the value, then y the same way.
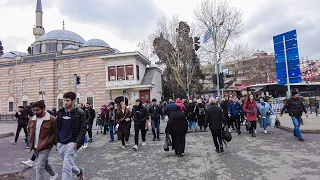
x: 201, y: 111
x: 226, y: 135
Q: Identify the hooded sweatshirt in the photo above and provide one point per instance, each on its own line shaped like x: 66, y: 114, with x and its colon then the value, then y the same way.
x: 140, y: 114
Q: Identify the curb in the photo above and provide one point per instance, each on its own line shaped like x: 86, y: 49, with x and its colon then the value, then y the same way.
x: 4, y: 135
x: 308, y: 131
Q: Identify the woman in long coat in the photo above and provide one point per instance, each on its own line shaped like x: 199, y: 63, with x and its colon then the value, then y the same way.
x: 251, y: 110
x: 265, y: 111
x: 123, y: 118
x: 177, y: 127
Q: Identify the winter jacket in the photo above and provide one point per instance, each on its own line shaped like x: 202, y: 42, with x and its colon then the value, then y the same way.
x: 47, y: 132
x: 295, y: 107
x: 92, y: 113
x: 215, y: 117
x: 140, y: 114
x: 79, y: 125
x: 177, y: 124
x: 225, y: 106
x: 190, y: 112
x: 234, y: 109
x: 22, y: 117
x: 263, y: 112
x: 181, y: 105
x: 124, y: 126
x: 155, y: 112
x: 251, y: 110
x: 169, y: 108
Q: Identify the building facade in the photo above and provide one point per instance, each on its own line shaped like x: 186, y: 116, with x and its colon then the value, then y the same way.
x: 48, y: 71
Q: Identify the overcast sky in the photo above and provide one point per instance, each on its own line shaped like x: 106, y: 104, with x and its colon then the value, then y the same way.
x: 123, y: 23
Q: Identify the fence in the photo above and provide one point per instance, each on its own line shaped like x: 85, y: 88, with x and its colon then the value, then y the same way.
x: 310, y: 104
x: 7, y: 118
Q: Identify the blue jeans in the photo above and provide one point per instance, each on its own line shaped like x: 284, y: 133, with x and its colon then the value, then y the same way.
x: 296, y: 123
x: 111, y: 128
x: 27, y: 141
x: 85, y: 139
x: 192, y: 123
x: 155, y: 125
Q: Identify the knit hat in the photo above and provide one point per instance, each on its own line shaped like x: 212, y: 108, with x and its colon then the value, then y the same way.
x: 294, y: 92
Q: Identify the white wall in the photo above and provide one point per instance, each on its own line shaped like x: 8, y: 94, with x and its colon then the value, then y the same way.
x: 142, y: 70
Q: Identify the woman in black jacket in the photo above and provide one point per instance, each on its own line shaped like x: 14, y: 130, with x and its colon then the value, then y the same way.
x: 200, y: 113
x: 177, y: 127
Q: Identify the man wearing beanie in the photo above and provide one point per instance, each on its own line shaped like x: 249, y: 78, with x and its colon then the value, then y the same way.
x: 295, y: 108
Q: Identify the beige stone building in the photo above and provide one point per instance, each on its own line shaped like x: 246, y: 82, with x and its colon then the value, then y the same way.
x: 48, y: 71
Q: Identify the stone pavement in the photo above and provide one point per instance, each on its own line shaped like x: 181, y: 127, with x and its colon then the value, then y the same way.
x: 277, y: 155
x: 311, y: 124
x: 9, y: 129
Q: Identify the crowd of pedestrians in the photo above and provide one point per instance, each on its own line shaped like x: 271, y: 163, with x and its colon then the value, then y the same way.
x: 66, y: 128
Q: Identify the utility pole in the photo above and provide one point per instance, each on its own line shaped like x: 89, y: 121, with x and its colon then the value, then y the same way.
x: 76, y: 80
x: 215, y: 55
x: 287, y: 68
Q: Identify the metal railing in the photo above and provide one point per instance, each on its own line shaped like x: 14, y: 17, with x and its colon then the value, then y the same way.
x: 7, y: 118
x: 310, y: 104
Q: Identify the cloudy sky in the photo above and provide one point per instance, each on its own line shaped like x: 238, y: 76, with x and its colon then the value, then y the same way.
x: 123, y: 23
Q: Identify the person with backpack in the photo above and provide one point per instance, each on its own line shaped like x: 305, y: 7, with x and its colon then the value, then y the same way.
x: 200, y: 112
x: 215, y: 118
x: 191, y: 115
x: 155, y: 112
x: 234, y: 112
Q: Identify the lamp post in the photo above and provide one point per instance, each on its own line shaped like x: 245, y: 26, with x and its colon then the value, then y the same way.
x: 16, y: 79
x: 214, y: 32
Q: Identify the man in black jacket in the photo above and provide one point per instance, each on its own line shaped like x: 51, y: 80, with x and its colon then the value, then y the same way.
x: 295, y: 108
x: 215, y: 117
x: 23, y: 117
x: 91, y: 119
x: 155, y: 115
x: 140, y: 115
x: 71, y: 128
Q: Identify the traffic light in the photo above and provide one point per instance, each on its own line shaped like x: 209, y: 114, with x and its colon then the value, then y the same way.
x: 221, y: 80
x: 194, y: 58
x: 187, y: 91
x: 124, y: 92
x: 78, y: 79
x: 196, y: 43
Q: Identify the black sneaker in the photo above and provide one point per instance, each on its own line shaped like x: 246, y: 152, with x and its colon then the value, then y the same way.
x: 301, y: 139
x: 81, y: 175
x: 180, y: 155
x: 158, y: 139
x: 218, y: 150
x: 253, y: 135
x: 239, y: 132
x: 221, y: 149
x: 90, y: 141
x: 153, y: 139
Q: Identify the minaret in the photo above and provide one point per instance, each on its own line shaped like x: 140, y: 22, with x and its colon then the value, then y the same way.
x: 38, y: 30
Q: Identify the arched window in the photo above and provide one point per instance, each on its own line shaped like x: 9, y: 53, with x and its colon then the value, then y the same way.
x: 24, y: 85
x: 33, y: 71
x: 89, y: 80
x: 10, y: 87
x: 41, y: 84
x: 60, y: 82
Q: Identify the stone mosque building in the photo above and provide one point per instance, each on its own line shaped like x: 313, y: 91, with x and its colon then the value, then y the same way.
x: 47, y: 71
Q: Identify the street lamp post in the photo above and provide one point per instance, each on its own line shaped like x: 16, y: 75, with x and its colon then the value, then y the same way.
x: 16, y: 80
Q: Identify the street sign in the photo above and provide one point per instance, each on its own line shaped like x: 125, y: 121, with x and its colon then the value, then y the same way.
x: 287, y: 57
x: 207, y: 35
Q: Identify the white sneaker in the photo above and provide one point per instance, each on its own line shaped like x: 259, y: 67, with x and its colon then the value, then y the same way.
x: 265, y: 131
x: 135, y: 147
x: 123, y: 147
x: 255, y: 131
x: 230, y: 130
x: 28, y: 163
x: 85, y: 146
x: 143, y: 143
x: 54, y: 177
x: 13, y: 142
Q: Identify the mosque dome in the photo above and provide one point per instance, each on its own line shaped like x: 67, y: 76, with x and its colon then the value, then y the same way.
x: 116, y: 50
x: 73, y: 47
x: 62, y: 35
x: 95, y: 43
x: 13, y: 54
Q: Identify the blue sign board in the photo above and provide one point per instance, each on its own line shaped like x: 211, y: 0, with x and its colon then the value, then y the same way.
x: 286, y: 45
x: 208, y: 35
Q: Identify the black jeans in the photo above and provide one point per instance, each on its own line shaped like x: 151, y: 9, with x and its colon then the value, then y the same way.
x: 142, y: 128
x: 90, y: 129
x: 217, y: 138
x: 155, y: 124
x: 20, y: 126
x: 106, y: 129
x: 179, y: 143
x: 201, y: 121
x: 253, y: 125
x: 237, y: 122
x: 229, y: 121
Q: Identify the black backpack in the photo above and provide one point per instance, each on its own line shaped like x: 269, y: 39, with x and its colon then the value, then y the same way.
x: 226, y: 135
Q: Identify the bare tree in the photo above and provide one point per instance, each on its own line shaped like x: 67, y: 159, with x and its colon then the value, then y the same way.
x: 226, y: 20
